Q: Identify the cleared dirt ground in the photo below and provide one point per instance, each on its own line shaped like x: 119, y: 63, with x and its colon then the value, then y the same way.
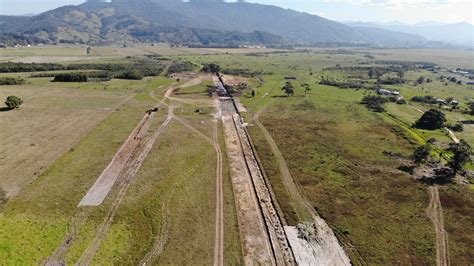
x: 48, y: 124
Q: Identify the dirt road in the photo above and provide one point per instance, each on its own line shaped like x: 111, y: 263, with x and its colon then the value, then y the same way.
x: 435, y: 213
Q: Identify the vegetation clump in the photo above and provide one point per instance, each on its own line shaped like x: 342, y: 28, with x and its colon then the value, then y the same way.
x: 288, y: 89
x: 130, y: 74
x: 70, y: 77
x: 177, y: 67
x: 374, y: 103
x: 462, y: 152
x: 12, y: 81
x: 211, y: 68
x: 458, y: 127
x: 471, y: 108
x: 421, y: 154
x: 13, y: 102
x: 431, y: 120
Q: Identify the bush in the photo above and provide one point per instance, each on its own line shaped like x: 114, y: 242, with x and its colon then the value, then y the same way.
x: 70, y: 77
x: 177, y: 67
x: 431, y: 120
x: 425, y: 99
x: 421, y: 154
x: 131, y: 74
x: 402, y: 101
x: 211, y: 68
x: 374, y: 103
x: 13, y: 102
x: 11, y: 81
x: 458, y: 127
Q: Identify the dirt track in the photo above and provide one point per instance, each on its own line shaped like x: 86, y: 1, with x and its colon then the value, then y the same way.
x: 130, y: 170
x: 435, y: 213
x: 219, y: 226
x: 99, y: 191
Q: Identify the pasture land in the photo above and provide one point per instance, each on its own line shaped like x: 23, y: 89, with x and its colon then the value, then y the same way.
x: 343, y: 157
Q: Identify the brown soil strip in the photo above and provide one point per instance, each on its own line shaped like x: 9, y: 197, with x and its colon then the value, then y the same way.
x: 99, y: 191
x: 255, y: 240
x: 435, y: 213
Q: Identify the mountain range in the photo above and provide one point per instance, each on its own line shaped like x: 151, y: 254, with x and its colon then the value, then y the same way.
x: 456, y: 33
x: 201, y: 22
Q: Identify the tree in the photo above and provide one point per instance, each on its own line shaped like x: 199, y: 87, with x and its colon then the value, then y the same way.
x: 288, y: 89
x: 431, y: 120
x: 420, y: 80
x: 211, y: 68
x: 374, y: 103
x: 306, y: 88
x: 461, y: 156
x: 371, y: 73
x: 13, y: 102
x: 421, y: 154
x: 401, y: 73
x: 471, y: 107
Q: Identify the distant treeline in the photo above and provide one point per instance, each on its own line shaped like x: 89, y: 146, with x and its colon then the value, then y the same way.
x: 241, y: 72
x: 348, y: 85
x: 99, y: 74
x: 147, y: 67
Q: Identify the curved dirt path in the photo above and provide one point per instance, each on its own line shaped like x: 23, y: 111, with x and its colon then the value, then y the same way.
x: 219, y: 223
x: 435, y: 213
x: 219, y: 226
x: 326, y: 250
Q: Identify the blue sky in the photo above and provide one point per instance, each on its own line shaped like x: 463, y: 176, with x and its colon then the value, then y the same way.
x: 408, y: 11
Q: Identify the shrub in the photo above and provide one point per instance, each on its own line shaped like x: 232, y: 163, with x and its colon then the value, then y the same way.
x: 11, y: 81
x: 425, y: 99
x: 402, y: 101
x: 458, y: 127
x: 177, y: 67
x: 13, y: 102
x: 70, y: 77
x: 374, y: 103
x: 130, y: 74
x: 421, y: 153
x: 211, y: 68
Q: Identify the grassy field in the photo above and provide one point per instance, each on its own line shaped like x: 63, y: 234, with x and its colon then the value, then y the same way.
x: 50, y: 200
x: 335, y: 148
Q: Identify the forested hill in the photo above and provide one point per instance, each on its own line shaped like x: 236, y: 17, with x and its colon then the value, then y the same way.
x: 195, y: 22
